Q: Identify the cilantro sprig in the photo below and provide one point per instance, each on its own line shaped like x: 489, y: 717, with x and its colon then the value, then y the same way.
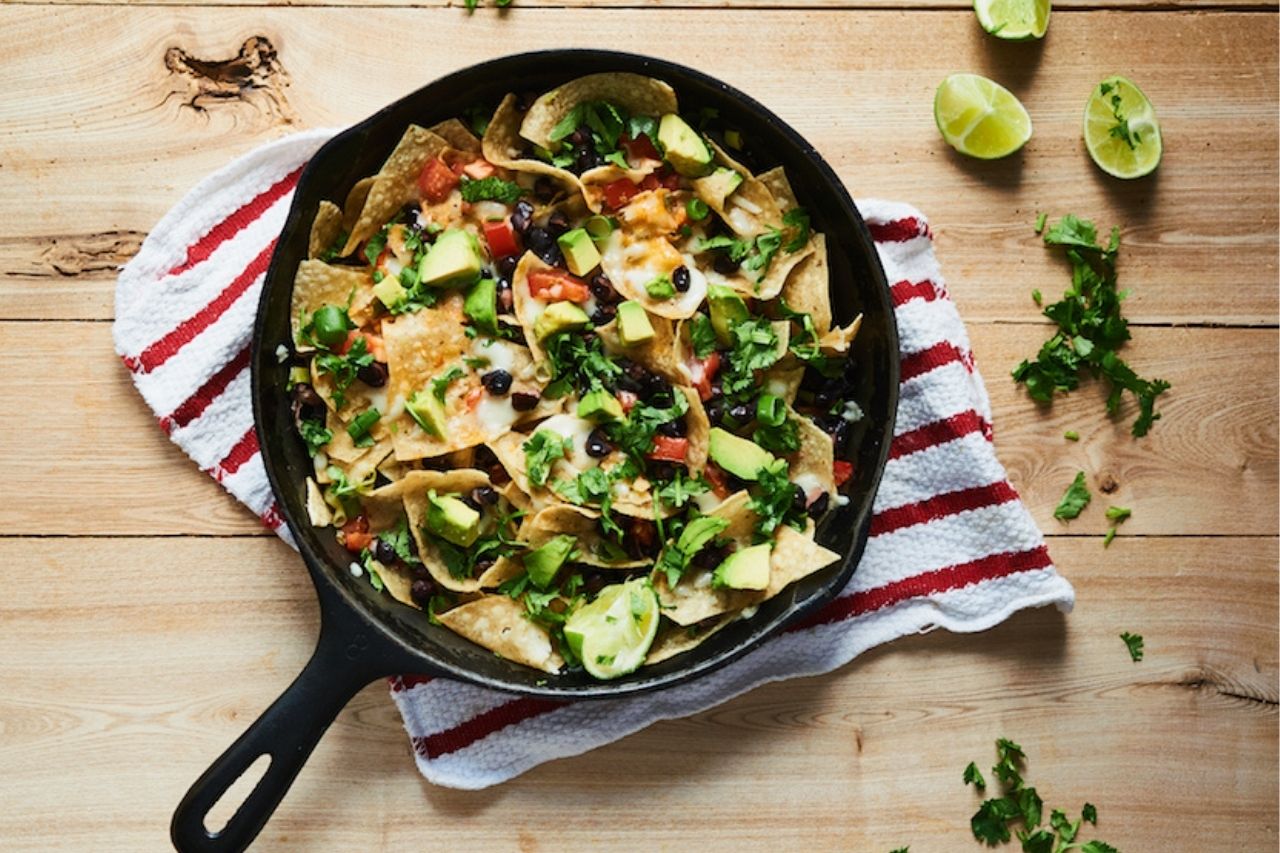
x: 1091, y: 328
x: 541, y: 451
x: 1075, y: 499
x: 491, y: 189
x: 1134, y: 643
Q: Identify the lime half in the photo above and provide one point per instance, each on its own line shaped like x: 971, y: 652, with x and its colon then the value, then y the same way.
x: 1120, y: 129
x: 979, y: 117
x: 1015, y: 20
x: 613, y: 633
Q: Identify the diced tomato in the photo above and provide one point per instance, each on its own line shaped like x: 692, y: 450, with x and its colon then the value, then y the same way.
x: 437, y: 181
x: 640, y: 148
x: 557, y: 286
x: 669, y: 179
x: 478, y: 169
x: 703, y: 372
x: 355, y: 534
x: 650, y: 182
x: 668, y: 449
x: 618, y: 193
x: 718, y: 480
x: 843, y: 471
x: 628, y: 400
x: 473, y: 398
x: 501, y: 238
x: 372, y: 343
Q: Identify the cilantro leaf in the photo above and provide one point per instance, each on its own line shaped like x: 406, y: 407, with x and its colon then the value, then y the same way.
x: 973, y: 775
x: 634, y: 435
x: 990, y: 822
x: 1098, y: 847
x: 1040, y: 841
x: 580, y: 363
x: 774, y: 501
x: 754, y: 347
x: 783, y: 438
x: 441, y: 384
x: 1134, y: 642
x: 541, y: 451
x: 491, y: 189
x: 343, y: 368
x: 797, y: 221
x: 702, y: 335
x: 1066, y: 830
x: 315, y: 434
x: 1089, y: 813
x: 1075, y: 499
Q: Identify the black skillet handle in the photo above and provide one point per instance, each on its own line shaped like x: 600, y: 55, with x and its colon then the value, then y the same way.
x: 348, y: 656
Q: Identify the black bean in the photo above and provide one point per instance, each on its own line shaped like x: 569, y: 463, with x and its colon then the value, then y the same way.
x: 306, y: 403
x: 498, y: 475
x: 538, y: 239
x: 470, y: 501
x: 522, y: 217
x: 715, y: 409
x: 710, y: 556
x: 660, y: 470
x: 602, y: 289
x: 505, y: 298
x: 484, y: 457
x: 675, y: 428
x: 524, y: 100
x: 740, y: 413
x: 544, y: 189
x: 603, y: 314
x: 636, y: 372
x: 581, y: 136
x: 557, y: 223
x: 799, y: 501
x: 724, y: 264
x: 409, y: 214
x: 385, y: 552
x: 626, y: 383
x: 374, y: 374
x: 680, y: 278
x: 819, y: 505
x: 484, y: 564
x: 496, y: 382
x: 421, y: 591
x: 523, y: 401
x: 506, y: 267
x: 598, y: 445
x: 593, y: 583
x: 486, y: 495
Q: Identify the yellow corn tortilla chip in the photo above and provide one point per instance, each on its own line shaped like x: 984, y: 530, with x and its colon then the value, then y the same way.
x: 749, y: 209
x: 458, y: 135
x: 396, y: 183
x: 769, y: 285
x: 398, y: 582
x: 776, y: 181
x: 364, y: 468
x: 502, y: 147
x: 632, y: 261
x: 783, y: 381
x: 812, y: 465
x: 807, y: 287
x: 359, y: 396
x: 528, y: 309
x: 317, y: 284
x: 676, y: 639
x: 420, y: 347
x: 658, y: 355
x: 415, y: 496
x: 838, y: 340
x: 594, y: 548
x: 795, y: 555
x: 353, y: 204
x: 325, y: 228
x: 318, y: 511
x: 698, y: 431
x: 498, y: 623
x: 634, y: 93
x: 594, y: 180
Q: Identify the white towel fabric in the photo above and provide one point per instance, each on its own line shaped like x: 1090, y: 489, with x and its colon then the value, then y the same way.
x: 951, y: 545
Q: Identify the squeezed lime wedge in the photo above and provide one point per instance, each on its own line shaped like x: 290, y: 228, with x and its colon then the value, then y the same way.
x: 1014, y: 20
x: 979, y: 117
x: 1120, y: 129
x: 613, y: 633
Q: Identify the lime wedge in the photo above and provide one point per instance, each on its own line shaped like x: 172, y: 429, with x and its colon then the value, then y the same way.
x: 1015, y: 20
x: 1120, y: 129
x: 979, y: 117
x: 613, y: 633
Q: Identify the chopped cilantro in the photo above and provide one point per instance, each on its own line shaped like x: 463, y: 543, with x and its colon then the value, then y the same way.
x: 343, y: 368
x: 1134, y: 643
x: 781, y: 438
x: 1071, y: 435
x: 491, y: 189
x: 1089, y: 813
x: 315, y: 434
x: 991, y: 822
x: 374, y: 246
x: 441, y: 384
x: 972, y: 775
x: 541, y: 451
x: 580, y: 363
x: 1036, y: 297
x: 797, y: 221
x: 754, y: 347
x: 634, y: 435
x: 774, y: 502
x: 1040, y: 221
x: 702, y: 335
x: 1075, y: 499
x: 681, y: 489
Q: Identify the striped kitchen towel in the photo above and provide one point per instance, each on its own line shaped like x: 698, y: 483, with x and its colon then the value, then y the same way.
x: 951, y: 545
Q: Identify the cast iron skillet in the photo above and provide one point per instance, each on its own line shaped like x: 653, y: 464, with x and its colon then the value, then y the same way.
x: 365, y: 635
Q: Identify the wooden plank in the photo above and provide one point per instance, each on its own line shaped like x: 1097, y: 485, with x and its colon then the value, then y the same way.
x: 1211, y: 456
x: 110, y: 657
x: 102, y: 163
x: 523, y: 7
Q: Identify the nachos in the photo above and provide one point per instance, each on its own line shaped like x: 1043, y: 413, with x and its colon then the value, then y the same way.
x: 569, y: 380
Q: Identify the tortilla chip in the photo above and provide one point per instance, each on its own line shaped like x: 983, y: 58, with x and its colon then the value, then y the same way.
x: 838, y: 340
x: 365, y: 468
x: 396, y: 183
x: 698, y: 431
x: 502, y: 147
x: 359, y: 396
x: 770, y: 285
x: 384, y: 507
x: 353, y: 204
x: 634, y: 93
x: 808, y: 286
x: 420, y: 347
x: 815, y: 459
x: 416, y: 502
x: 631, y: 263
x: 594, y: 548
x: 498, y: 623
x: 795, y: 555
x: 783, y: 381
x: 317, y: 510
x: 776, y: 181
x: 676, y: 639
x: 594, y: 180
x: 658, y: 355
x: 317, y: 284
x: 397, y: 580
x: 528, y: 309
x: 750, y: 209
x: 458, y: 135
x: 325, y: 228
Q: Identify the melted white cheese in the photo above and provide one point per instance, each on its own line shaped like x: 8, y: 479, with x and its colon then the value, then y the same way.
x: 495, y: 414
x: 810, y: 483
x: 575, y: 429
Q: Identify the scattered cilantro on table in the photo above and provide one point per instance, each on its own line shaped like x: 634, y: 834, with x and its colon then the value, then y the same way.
x: 1116, y: 515
x: 1134, y: 643
x: 1091, y: 328
x: 1077, y: 497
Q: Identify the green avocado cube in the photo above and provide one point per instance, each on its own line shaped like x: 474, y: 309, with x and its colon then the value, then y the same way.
x: 745, y: 569
x: 543, y: 562
x: 719, y: 184
x: 738, y: 456
x: 580, y: 252
x: 560, y: 317
x: 454, y: 260
x: 481, y: 305
x: 600, y: 405
x: 389, y: 291
x: 452, y: 520
x: 727, y: 310
x: 633, y: 324
x: 429, y: 412
x: 684, y: 148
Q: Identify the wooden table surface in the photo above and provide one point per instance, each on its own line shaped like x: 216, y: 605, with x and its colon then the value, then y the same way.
x: 148, y: 618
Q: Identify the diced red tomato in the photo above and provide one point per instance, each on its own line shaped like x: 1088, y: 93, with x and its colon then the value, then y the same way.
x: 664, y: 178
x: 650, y: 182
x: 355, y: 534
x: 618, y: 193
x: 557, y: 286
x: 478, y: 169
x: 669, y: 449
x: 437, y: 181
x: 703, y: 372
x: 473, y: 398
x: 717, y: 479
x: 628, y: 400
x: 373, y: 344
x: 842, y: 471
x: 501, y: 238
x: 640, y: 148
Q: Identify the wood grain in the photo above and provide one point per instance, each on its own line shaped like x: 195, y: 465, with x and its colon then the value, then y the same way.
x: 103, y: 162
x: 1209, y: 466
x: 120, y: 654
x: 524, y: 7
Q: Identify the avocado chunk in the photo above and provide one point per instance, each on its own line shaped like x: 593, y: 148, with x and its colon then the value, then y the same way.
x: 745, y: 569
x: 684, y: 149
x: 580, y: 253
x: 481, y: 305
x: 738, y: 456
x: 389, y: 291
x: 600, y: 405
x: 719, y: 184
x: 560, y: 317
x: 543, y: 562
x: 727, y: 310
x: 454, y: 260
x: 428, y: 411
x: 633, y: 324
x: 452, y: 520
